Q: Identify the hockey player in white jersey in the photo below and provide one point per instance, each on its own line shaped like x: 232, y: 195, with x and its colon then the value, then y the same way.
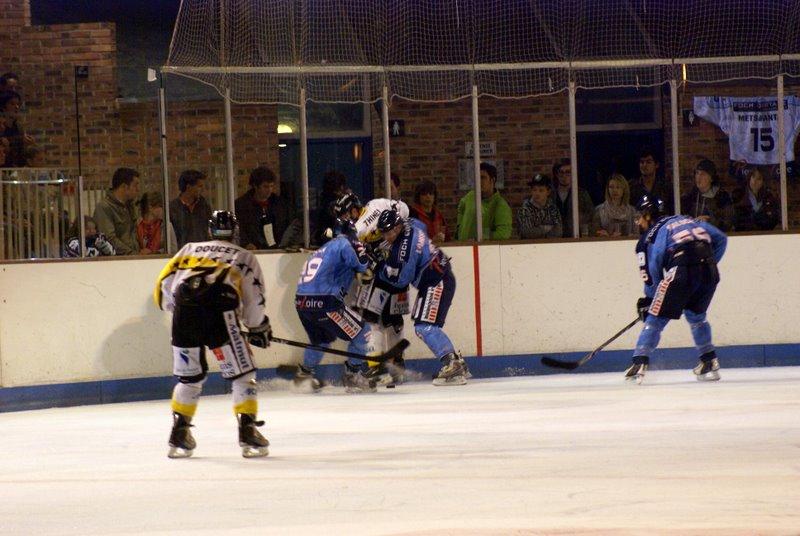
x: 209, y: 287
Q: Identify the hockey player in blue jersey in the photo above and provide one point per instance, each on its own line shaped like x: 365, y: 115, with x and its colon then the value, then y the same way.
x: 413, y: 259
x: 319, y: 301
x: 678, y: 259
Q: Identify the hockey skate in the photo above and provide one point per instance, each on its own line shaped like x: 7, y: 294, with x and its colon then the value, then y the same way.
x: 636, y: 371
x: 707, y: 370
x: 254, y: 445
x: 356, y: 382
x: 454, y: 371
x: 304, y: 381
x: 181, y: 442
x: 389, y: 373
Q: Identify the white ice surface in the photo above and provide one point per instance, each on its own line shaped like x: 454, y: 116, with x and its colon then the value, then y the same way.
x: 564, y: 454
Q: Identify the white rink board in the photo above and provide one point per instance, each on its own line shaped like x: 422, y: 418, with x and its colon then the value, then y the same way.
x: 66, y: 322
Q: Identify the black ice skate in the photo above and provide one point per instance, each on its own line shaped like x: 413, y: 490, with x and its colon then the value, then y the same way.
x: 707, y: 370
x: 304, y: 381
x: 454, y: 371
x: 356, y: 382
x: 254, y: 445
x: 635, y: 372
x: 181, y: 442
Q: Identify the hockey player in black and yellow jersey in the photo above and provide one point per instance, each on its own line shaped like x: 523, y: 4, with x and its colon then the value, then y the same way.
x: 210, y: 287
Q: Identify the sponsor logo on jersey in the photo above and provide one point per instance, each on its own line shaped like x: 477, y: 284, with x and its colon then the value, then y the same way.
x: 240, y: 350
x: 309, y: 302
x: 218, y: 354
x: 184, y: 354
x: 349, y: 325
x: 433, y: 299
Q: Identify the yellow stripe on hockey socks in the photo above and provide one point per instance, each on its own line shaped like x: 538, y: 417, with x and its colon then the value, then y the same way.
x: 186, y: 410
x: 185, y: 397
x: 245, y: 398
x: 248, y: 406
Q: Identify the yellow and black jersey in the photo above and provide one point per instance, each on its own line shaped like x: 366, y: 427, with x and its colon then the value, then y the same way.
x: 367, y: 223
x: 213, y: 260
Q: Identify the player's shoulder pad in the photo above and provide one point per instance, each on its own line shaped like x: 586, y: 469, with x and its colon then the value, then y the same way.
x: 653, y: 232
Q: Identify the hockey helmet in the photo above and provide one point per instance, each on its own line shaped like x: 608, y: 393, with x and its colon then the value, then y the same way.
x: 223, y: 224
x: 388, y: 220
x: 345, y: 204
x: 651, y: 206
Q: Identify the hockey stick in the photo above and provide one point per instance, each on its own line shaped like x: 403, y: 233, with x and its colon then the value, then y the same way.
x: 572, y: 365
x: 393, y: 352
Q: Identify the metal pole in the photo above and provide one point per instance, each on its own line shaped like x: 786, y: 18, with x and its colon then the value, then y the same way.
x: 782, y: 156
x: 676, y: 167
x: 162, y: 131
x: 229, y: 151
x: 304, y: 169
x: 387, y: 165
x: 573, y: 158
x: 476, y: 160
x: 81, y: 212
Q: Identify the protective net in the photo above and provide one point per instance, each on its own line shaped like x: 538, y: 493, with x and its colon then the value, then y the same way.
x: 429, y: 50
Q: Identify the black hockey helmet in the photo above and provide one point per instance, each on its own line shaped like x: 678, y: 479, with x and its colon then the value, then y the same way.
x: 388, y: 220
x: 651, y: 206
x: 222, y: 224
x: 345, y: 204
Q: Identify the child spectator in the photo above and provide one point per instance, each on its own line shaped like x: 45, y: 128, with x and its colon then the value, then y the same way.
x: 538, y: 217
x: 96, y: 243
x: 424, y: 209
x: 494, y: 209
x: 151, y: 224
x: 615, y: 216
x: 755, y: 208
x: 707, y: 201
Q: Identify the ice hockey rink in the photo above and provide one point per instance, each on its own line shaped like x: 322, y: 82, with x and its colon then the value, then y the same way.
x: 558, y: 454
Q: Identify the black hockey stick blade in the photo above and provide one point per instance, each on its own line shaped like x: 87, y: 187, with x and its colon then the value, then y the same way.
x: 572, y: 365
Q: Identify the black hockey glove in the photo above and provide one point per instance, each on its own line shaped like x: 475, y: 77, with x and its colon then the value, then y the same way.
x: 642, y: 305
x: 262, y: 334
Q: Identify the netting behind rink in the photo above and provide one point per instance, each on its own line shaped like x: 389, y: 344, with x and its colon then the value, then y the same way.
x: 435, y: 50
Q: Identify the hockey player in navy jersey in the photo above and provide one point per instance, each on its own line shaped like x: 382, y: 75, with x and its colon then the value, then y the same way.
x: 678, y: 259
x: 321, y: 289
x: 209, y: 286
x: 413, y: 259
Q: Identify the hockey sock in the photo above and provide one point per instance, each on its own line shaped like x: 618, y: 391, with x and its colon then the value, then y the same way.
x: 701, y: 331
x: 311, y: 357
x: 650, y: 335
x: 245, y: 398
x: 369, y: 341
x: 435, y: 338
x: 185, y: 397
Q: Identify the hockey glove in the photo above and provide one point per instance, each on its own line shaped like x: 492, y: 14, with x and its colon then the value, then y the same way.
x: 642, y: 306
x: 262, y: 334
x: 366, y: 278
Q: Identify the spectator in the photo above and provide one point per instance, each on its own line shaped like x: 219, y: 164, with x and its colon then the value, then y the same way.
x: 424, y: 209
x: 707, y: 201
x: 755, y: 208
x: 9, y: 82
x: 538, y: 217
x: 615, y: 216
x: 115, y: 216
x: 495, y: 210
x: 266, y: 220
x: 10, y: 105
x: 96, y: 243
x: 33, y: 157
x: 334, y: 186
x: 150, y: 227
x: 189, y: 212
x: 650, y: 182
x: 562, y: 173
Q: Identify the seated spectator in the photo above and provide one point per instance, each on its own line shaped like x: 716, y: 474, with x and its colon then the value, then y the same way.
x: 150, y: 227
x: 562, y: 174
x: 615, y: 216
x: 10, y: 105
x: 755, y: 208
x: 266, y: 220
x: 538, y: 217
x: 494, y: 209
x: 424, y: 209
x: 651, y: 183
x: 96, y: 242
x: 115, y: 215
x: 9, y: 82
x: 189, y: 212
x: 707, y: 201
x: 334, y: 186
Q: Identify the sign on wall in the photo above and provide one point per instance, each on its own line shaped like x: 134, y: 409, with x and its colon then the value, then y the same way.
x: 488, y: 149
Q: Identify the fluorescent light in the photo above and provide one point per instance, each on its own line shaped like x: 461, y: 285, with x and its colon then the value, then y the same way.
x: 283, y: 128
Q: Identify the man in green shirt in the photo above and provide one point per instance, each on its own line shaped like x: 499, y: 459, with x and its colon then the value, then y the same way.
x: 115, y: 214
x: 495, y: 210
